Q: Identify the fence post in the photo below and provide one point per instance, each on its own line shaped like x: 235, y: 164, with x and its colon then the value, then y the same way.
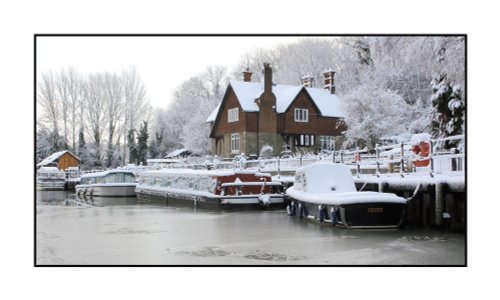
x: 300, y: 160
x: 358, y: 159
x: 279, y: 165
x: 377, y: 151
x: 431, y: 157
x: 402, y: 164
x: 341, y: 156
x: 333, y: 154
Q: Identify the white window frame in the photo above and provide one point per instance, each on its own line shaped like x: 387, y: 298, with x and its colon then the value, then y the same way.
x: 327, y: 142
x: 235, y: 143
x: 301, y: 115
x: 304, y: 140
x: 233, y: 115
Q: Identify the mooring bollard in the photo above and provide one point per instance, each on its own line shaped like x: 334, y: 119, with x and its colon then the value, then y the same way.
x: 382, y: 186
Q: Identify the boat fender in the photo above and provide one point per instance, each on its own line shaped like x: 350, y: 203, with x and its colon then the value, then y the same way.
x: 301, y: 210
x: 265, y: 200
x: 288, y: 210
x: 321, y: 213
x: 293, y: 208
x: 333, y: 216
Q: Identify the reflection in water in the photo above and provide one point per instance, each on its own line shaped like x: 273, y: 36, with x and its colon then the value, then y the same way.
x: 67, y: 198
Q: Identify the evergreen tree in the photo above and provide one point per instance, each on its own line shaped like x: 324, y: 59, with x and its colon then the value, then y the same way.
x: 132, y: 146
x: 448, y: 107
x: 154, y: 146
x: 142, y: 143
x: 81, y: 142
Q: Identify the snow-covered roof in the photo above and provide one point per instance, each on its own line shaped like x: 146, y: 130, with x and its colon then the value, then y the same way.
x: 213, y: 115
x: 53, y: 157
x: 329, y: 183
x: 191, y: 172
x: 247, y: 92
x: 176, y: 153
x: 104, y: 173
x: 49, y: 170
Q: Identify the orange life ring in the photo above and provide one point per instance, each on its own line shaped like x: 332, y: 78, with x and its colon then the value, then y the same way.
x: 422, y: 151
x: 357, y: 157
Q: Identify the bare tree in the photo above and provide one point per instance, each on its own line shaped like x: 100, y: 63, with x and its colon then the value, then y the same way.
x: 137, y: 107
x: 94, y: 95
x: 114, y: 106
x: 50, y: 106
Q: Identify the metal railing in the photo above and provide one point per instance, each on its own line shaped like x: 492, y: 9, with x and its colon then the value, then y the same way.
x: 396, y: 158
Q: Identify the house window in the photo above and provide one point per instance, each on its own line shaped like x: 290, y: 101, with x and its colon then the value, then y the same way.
x: 304, y: 140
x: 327, y: 142
x: 301, y: 115
x: 235, y: 142
x: 233, y: 114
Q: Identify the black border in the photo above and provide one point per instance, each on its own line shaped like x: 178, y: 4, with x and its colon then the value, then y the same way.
x: 36, y: 35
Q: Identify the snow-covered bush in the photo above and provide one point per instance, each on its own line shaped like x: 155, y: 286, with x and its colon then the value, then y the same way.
x: 266, y: 152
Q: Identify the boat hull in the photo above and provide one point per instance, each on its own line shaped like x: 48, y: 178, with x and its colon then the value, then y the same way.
x: 107, y: 190
x: 371, y: 215
x: 215, y: 202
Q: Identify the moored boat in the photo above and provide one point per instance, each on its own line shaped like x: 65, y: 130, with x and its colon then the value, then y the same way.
x: 50, y: 178
x: 213, y: 189
x: 326, y: 192
x: 113, y: 183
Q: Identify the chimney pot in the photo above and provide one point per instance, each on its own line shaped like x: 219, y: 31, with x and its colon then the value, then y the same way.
x: 329, y: 80
x: 307, y: 81
x: 247, y: 75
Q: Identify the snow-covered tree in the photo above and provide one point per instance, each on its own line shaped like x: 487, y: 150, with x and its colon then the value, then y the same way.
x: 372, y: 113
x: 448, y: 107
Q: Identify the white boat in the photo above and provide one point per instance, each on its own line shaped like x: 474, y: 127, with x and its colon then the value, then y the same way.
x: 212, y: 189
x: 326, y: 192
x: 113, y: 183
x: 50, y: 178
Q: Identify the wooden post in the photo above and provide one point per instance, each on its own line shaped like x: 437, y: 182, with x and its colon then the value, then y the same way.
x: 439, y: 200
x: 377, y: 151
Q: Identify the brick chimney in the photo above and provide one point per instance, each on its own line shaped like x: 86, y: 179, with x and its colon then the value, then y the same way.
x: 267, y: 119
x: 247, y: 75
x: 307, y: 81
x: 329, y: 80
x: 268, y: 78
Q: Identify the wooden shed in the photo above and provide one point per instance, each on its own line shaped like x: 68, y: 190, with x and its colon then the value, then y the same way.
x: 62, y: 160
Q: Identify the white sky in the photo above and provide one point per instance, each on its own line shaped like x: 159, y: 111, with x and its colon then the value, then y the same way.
x: 162, y: 62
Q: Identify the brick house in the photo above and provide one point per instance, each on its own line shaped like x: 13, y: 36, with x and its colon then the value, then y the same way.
x: 297, y: 118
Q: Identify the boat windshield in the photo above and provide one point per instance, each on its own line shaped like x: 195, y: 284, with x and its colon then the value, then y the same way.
x: 120, y: 178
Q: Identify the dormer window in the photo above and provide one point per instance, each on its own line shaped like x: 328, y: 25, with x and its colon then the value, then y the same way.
x: 233, y: 115
x: 301, y: 115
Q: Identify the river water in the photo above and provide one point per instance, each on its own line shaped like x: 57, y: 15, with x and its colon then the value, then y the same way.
x: 120, y: 231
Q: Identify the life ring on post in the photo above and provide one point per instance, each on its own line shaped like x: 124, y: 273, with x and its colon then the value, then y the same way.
x: 357, y: 157
x: 422, y: 154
